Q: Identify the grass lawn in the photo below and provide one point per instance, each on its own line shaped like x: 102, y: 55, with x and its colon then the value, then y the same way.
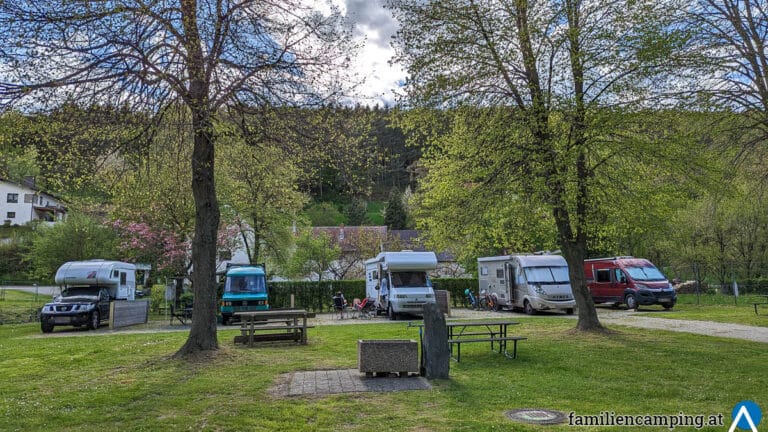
x: 95, y: 381
x: 715, y: 307
x: 19, y: 306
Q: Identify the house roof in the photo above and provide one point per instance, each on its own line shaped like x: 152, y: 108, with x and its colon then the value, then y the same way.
x: 32, y: 188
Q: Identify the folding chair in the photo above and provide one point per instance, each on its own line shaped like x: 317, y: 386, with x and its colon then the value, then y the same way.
x: 339, y: 306
x: 364, y: 309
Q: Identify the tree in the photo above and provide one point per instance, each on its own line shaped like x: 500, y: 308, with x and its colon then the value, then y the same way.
x: 732, y: 36
x: 551, y: 74
x: 313, y: 256
x: 259, y: 186
x: 395, y: 214
x: 203, y: 55
x: 79, y: 237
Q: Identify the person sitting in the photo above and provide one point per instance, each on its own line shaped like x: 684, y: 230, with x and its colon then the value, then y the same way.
x: 339, y: 304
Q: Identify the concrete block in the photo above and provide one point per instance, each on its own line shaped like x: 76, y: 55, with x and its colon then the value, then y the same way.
x: 387, y: 355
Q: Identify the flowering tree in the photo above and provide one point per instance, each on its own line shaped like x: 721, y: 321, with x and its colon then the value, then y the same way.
x: 140, y: 242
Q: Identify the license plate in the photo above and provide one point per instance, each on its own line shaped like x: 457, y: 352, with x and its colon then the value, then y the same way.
x: 61, y: 320
x: 665, y: 300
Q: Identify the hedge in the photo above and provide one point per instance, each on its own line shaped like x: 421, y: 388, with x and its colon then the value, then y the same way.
x: 317, y: 296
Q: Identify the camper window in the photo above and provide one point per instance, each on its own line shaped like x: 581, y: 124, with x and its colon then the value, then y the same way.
x: 645, y: 274
x: 603, y: 275
x: 245, y: 284
x: 500, y: 273
x: 547, y: 274
x: 409, y: 279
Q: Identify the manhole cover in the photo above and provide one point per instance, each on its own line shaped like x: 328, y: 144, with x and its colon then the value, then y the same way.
x: 537, y: 416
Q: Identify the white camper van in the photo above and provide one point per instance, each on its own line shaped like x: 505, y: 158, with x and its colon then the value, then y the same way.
x: 403, y: 278
x: 531, y: 282
x: 116, y: 276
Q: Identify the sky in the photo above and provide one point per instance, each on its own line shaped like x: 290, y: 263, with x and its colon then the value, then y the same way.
x: 375, y: 26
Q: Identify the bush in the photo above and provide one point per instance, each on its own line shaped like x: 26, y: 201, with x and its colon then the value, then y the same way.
x: 316, y: 296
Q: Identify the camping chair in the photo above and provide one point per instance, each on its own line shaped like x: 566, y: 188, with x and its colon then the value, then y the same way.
x: 338, y: 306
x: 364, y: 309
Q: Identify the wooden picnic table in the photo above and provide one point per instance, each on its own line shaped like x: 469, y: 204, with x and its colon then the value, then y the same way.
x: 273, y: 325
x: 494, y: 332
x: 764, y: 302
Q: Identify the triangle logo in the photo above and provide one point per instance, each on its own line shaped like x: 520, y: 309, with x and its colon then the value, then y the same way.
x: 742, y: 414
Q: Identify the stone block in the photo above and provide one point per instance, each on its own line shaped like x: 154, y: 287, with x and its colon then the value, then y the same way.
x: 387, y: 355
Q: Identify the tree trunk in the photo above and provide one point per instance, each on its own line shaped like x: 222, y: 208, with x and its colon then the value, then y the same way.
x: 202, y: 335
x: 574, y: 255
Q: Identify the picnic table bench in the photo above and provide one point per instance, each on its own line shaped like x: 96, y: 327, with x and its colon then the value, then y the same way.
x: 273, y: 325
x: 765, y: 302
x: 183, y: 314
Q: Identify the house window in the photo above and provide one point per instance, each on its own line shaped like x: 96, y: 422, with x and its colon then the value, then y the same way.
x: 13, y: 198
x: 30, y: 199
x: 11, y: 215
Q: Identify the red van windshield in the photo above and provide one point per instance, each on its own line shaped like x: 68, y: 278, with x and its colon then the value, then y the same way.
x: 645, y: 273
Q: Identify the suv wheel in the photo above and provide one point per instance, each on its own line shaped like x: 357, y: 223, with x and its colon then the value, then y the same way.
x: 631, y: 301
x: 94, y: 321
x: 46, y: 327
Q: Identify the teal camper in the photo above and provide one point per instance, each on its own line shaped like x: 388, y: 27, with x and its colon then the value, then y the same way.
x: 245, y: 289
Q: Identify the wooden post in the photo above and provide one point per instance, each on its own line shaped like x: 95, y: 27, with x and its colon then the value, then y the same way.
x: 292, y: 299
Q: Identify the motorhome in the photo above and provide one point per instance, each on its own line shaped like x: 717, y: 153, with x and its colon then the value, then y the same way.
x: 87, y: 288
x: 529, y: 282
x: 398, y: 282
x: 628, y: 280
x: 245, y: 289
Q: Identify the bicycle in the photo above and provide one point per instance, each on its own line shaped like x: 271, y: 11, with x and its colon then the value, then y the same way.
x: 487, y: 302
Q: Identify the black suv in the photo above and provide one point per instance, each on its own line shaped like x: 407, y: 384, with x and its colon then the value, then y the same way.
x: 76, y: 306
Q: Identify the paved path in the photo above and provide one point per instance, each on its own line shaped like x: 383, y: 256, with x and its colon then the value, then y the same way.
x: 708, y: 328
x: 323, y: 382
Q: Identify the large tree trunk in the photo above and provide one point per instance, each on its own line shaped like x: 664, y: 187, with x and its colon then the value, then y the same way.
x: 574, y: 256
x: 202, y: 335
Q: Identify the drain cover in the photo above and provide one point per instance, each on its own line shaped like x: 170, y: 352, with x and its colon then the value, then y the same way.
x: 537, y: 416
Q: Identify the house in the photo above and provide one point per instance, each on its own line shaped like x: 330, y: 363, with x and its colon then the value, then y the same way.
x: 24, y: 203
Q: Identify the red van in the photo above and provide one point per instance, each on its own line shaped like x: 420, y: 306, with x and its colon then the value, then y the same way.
x: 629, y: 280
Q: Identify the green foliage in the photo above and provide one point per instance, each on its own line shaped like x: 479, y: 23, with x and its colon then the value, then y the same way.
x: 356, y: 212
x: 80, y: 237
x: 395, y: 214
x: 313, y: 255
x: 257, y: 186
x: 324, y: 214
x: 312, y: 295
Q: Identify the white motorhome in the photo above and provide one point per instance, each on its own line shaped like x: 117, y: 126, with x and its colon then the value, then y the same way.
x: 531, y: 282
x: 118, y: 277
x: 405, y: 277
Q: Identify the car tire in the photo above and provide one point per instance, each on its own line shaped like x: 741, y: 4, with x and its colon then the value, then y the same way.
x: 668, y: 306
x: 94, y: 321
x: 631, y: 301
x: 45, y: 327
x: 569, y: 311
x: 225, y: 319
x: 529, y: 310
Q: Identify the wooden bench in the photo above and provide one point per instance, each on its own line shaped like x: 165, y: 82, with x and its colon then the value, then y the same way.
x: 758, y: 304
x: 182, y: 315
x: 286, y: 332
x: 502, y: 341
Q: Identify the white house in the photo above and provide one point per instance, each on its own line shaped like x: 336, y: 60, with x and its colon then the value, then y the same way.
x: 23, y: 203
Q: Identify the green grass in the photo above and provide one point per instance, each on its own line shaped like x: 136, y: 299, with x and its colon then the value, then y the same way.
x: 81, y: 381
x: 19, y: 306
x: 716, y: 307
x: 375, y: 212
